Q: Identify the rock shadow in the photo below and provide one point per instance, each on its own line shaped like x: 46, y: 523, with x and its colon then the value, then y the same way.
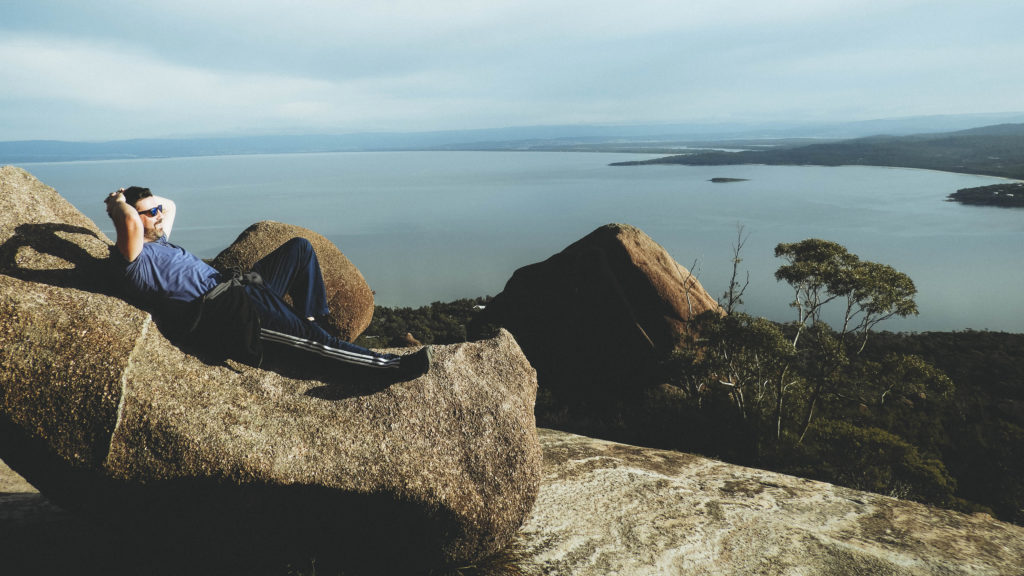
x: 338, y: 381
x: 48, y: 253
x: 207, y: 529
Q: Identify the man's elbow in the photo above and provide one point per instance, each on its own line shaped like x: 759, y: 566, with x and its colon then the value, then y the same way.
x: 169, y: 206
x: 129, y: 241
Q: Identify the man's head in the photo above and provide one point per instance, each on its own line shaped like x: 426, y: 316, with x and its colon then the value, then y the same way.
x: 133, y: 194
x: 149, y: 209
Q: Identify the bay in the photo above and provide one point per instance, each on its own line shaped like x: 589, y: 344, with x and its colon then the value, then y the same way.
x: 436, y: 226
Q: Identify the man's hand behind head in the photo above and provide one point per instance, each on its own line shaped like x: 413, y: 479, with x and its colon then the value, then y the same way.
x: 112, y: 200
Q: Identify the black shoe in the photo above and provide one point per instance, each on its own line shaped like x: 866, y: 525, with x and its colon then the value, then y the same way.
x: 417, y: 363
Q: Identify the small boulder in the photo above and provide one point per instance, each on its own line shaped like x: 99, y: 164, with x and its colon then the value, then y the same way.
x: 410, y: 341
x: 598, y: 315
x: 349, y: 297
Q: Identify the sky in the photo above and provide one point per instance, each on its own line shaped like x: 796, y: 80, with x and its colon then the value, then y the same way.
x: 106, y: 70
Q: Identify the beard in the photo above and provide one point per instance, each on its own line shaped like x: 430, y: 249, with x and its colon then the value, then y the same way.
x: 154, y: 233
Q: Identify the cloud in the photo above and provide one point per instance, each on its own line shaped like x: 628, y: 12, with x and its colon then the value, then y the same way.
x: 105, y: 76
x: 191, y: 66
x: 130, y: 83
x: 414, y: 22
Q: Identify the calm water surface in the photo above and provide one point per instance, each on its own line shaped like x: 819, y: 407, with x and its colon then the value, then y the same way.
x: 429, y: 226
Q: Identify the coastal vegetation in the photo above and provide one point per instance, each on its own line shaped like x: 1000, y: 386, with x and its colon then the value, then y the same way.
x: 1001, y: 195
x: 991, y: 150
x: 936, y: 417
x: 438, y: 323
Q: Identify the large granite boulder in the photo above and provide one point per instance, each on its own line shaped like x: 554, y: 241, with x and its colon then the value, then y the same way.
x: 349, y: 297
x: 595, y: 317
x: 106, y: 416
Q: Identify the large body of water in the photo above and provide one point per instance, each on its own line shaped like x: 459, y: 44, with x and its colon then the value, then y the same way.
x: 436, y: 226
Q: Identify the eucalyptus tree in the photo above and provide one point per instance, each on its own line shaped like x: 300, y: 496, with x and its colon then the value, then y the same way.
x: 821, y: 272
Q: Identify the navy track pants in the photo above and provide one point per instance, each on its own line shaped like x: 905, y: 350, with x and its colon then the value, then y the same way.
x: 293, y: 269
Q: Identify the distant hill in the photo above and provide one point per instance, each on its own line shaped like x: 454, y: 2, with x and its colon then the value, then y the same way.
x: 991, y: 150
x: 662, y: 138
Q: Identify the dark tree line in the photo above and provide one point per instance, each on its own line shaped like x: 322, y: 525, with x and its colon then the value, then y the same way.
x: 438, y: 323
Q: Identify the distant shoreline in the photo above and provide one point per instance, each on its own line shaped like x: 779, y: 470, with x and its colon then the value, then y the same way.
x: 990, y: 151
x: 672, y: 159
x: 952, y: 170
x: 1016, y: 181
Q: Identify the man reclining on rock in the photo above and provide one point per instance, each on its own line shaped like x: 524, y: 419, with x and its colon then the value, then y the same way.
x: 233, y: 315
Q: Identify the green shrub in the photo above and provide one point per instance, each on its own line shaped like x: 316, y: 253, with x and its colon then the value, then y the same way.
x: 871, y: 459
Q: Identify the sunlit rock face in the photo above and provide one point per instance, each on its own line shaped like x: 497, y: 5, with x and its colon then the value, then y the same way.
x: 608, y: 508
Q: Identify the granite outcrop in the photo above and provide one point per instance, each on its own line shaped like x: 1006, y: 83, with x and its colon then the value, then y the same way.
x: 107, y: 417
x: 611, y: 508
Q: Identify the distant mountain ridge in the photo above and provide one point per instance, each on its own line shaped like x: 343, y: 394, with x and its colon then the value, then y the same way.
x: 647, y: 138
x: 990, y: 150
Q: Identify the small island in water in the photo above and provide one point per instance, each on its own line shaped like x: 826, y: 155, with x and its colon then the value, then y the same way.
x: 1009, y: 195
x: 726, y: 180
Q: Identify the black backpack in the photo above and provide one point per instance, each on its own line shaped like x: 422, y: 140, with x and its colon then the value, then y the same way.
x: 226, y: 325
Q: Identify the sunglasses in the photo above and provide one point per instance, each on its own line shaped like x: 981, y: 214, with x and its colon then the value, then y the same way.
x: 152, y: 211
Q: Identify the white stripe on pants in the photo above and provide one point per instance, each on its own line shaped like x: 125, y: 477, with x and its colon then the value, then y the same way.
x: 326, y: 351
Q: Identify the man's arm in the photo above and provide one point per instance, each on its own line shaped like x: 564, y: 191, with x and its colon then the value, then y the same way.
x: 128, y: 225
x: 169, y: 211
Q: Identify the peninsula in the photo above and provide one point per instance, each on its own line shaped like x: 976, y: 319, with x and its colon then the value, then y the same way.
x: 991, y: 150
x: 1001, y: 195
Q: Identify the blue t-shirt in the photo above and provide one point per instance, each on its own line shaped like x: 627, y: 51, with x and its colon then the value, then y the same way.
x: 167, y: 271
